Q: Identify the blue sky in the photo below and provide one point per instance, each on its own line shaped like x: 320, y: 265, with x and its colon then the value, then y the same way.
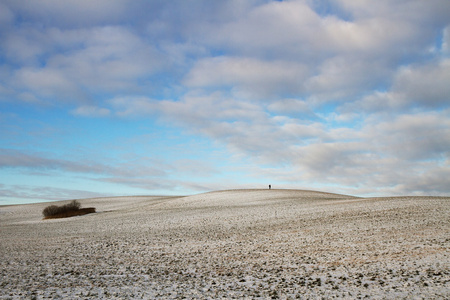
x: 101, y: 98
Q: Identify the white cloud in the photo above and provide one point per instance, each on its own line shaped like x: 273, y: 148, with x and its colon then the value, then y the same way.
x: 293, y: 108
x: 412, y: 137
x: 426, y: 85
x: 204, y: 109
x: 132, y: 106
x: 413, y: 87
x: 399, y: 156
x: 255, y: 77
x: 49, y: 164
x: 71, y: 13
x: 45, y: 82
x: 98, y: 60
x: 91, y: 111
x: 24, y: 46
x: 111, y: 57
x: 28, y: 193
x: 445, y: 44
x: 275, y: 25
x: 6, y: 15
x: 344, y: 78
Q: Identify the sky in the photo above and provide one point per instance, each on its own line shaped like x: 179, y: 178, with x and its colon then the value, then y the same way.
x: 117, y: 98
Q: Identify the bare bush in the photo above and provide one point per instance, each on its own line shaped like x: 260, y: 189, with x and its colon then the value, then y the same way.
x: 53, y: 210
x: 50, y: 210
x: 74, y: 205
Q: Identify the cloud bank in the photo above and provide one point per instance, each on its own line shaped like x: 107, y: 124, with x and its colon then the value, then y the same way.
x: 344, y: 96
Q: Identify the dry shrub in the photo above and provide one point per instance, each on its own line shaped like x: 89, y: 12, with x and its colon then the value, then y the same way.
x: 50, y: 210
x: 73, y: 205
x: 68, y: 210
x: 79, y: 212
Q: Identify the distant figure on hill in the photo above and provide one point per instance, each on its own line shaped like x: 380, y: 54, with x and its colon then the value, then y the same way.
x: 270, y: 186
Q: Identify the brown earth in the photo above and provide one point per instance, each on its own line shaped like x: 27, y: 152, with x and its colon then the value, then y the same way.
x: 240, y: 244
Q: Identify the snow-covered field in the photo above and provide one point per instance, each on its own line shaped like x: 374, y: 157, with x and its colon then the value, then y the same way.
x: 230, y: 244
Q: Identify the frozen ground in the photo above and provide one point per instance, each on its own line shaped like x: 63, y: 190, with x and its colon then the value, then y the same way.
x: 230, y: 244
